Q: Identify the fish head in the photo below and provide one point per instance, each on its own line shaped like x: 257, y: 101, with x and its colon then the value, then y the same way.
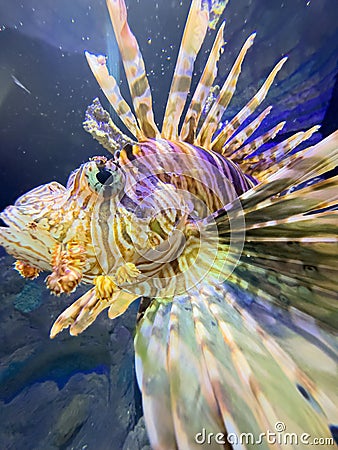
x: 49, y: 227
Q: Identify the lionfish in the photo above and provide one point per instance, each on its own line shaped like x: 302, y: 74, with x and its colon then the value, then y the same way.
x: 232, y: 250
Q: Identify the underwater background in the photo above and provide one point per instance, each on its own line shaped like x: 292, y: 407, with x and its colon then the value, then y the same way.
x: 81, y: 393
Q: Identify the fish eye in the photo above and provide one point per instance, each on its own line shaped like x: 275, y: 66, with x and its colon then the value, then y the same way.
x: 106, y: 176
x: 103, y: 175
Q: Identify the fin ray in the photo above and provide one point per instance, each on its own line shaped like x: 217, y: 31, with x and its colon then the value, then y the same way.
x: 134, y: 68
x: 193, y: 37
x: 229, y: 129
x: 111, y: 90
x: 202, y: 90
x: 215, y: 114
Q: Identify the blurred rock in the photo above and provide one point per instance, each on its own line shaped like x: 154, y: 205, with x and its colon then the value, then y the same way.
x: 137, y: 439
x: 72, y: 419
x: 70, y: 392
x: 29, y: 298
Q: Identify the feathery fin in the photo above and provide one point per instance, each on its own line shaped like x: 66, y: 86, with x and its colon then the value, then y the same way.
x: 270, y: 161
x: 111, y: 90
x: 273, y: 223
x: 152, y: 374
x: 193, y: 37
x: 240, y: 364
x: 240, y: 155
x: 216, y: 112
x: 245, y: 112
x: 239, y: 139
x: 202, y: 90
x: 134, y: 68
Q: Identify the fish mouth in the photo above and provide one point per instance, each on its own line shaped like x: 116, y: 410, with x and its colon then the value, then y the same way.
x: 22, y: 233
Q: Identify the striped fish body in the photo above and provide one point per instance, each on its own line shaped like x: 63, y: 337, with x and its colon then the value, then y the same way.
x: 189, y: 167
x: 167, y: 185
x: 101, y: 220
